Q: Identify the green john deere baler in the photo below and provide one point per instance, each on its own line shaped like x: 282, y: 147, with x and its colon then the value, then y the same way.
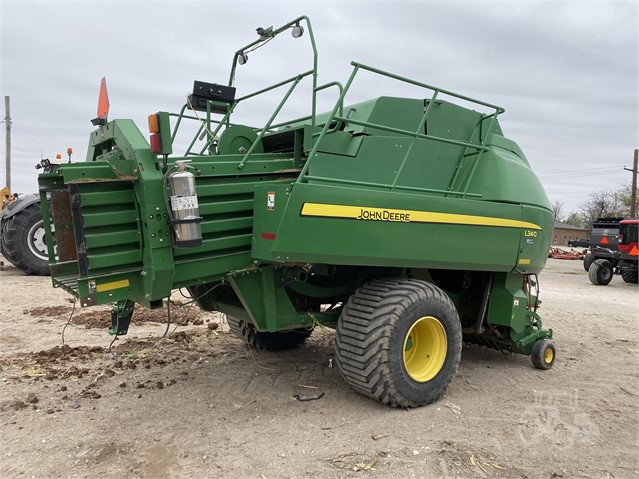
x: 408, y: 224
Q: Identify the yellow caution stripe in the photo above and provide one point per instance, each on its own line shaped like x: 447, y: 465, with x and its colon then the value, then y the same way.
x: 100, y: 288
x: 368, y: 213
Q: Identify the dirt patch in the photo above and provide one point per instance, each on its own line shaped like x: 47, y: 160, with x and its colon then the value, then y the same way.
x: 48, y: 311
x: 123, y: 356
x: 65, y: 353
x: 100, y: 318
x: 50, y: 364
x: 200, y: 400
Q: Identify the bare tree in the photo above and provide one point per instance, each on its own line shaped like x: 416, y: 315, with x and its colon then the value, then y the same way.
x: 602, y: 204
x: 624, y: 194
x: 557, y: 210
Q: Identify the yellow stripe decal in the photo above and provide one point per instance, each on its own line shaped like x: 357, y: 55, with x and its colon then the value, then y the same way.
x: 524, y: 261
x: 408, y: 216
x: 100, y: 288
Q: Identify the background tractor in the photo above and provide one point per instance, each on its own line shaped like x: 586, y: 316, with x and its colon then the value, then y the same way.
x: 603, y: 239
x: 613, y: 251
x: 408, y: 224
x: 603, y: 263
x: 22, y: 235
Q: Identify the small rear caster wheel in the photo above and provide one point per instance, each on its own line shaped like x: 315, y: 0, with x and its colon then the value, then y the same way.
x: 543, y: 354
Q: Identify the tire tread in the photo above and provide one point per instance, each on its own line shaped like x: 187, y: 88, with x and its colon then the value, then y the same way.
x: 14, y: 242
x: 630, y: 276
x: 279, y: 341
x: 596, y: 271
x: 362, y: 343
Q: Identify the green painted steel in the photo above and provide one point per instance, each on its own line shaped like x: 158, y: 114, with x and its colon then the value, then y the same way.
x: 296, y: 215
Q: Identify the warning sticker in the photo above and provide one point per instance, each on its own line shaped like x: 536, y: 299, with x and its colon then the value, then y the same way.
x: 179, y: 203
x: 270, y: 200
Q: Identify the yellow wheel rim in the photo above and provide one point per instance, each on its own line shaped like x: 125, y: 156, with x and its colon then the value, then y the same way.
x: 425, y: 349
x: 548, y: 355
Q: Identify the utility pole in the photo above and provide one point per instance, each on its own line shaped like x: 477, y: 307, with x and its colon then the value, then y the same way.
x: 633, y: 196
x: 7, y: 125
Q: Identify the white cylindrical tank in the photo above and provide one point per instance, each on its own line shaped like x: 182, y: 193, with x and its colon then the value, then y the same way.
x: 184, y: 208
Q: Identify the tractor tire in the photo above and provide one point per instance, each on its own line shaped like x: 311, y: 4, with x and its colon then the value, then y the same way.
x: 543, y: 354
x: 2, y: 251
x: 266, y: 340
x: 629, y: 276
x: 588, y: 260
x: 23, y: 241
x: 600, y: 272
x: 399, y: 341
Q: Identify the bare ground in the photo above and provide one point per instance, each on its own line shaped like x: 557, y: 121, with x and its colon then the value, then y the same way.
x: 201, y: 404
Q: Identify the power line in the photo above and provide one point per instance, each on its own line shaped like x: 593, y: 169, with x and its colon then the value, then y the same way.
x: 581, y: 173
x: 582, y: 170
x: 585, y: 175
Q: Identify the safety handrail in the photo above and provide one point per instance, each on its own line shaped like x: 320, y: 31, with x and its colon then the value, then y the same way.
x: 203, y: 124
x: 390, y: 186
x: 271, y: 35
x: 409, y: 150
x: 407, y: 132
x: 426, y: 85
x: 224, y: 121
x: 206, y: 124
x: 329, y: 120
x: 465, y: 153
x: 268, y: 123
x: 276, y: 85
x: 334, y: 116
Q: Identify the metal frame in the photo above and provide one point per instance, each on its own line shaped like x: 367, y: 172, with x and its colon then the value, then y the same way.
x: 232, y: 186
x: 480, y: 148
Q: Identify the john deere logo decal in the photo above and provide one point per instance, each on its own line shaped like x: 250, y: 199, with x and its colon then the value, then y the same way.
x: 408, y: 216
x: 383, y: 215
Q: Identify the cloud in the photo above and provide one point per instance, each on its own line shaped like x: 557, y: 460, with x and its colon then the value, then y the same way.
x: 566, y: 72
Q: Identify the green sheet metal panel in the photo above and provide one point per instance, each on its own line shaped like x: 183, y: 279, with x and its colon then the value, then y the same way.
x: 397, y: 229
x: 504, y: 176
x: 430, y: 165
x: 534, y: 245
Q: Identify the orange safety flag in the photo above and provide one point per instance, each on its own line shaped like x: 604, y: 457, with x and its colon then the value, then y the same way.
x: 103, y: 103
x: 604, y: 240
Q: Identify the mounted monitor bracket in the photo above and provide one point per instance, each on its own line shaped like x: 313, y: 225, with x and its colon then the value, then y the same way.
x: 220, y: 96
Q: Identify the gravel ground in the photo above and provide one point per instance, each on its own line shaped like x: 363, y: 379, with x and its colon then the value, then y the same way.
x: 200, y: 404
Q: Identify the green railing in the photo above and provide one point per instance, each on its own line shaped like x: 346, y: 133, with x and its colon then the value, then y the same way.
x: 272, y: 34
x: 205, y: 128
x: 210, y: 127
x: 335, y: 119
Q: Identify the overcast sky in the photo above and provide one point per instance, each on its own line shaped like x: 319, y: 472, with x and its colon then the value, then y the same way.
x: 566, y: 72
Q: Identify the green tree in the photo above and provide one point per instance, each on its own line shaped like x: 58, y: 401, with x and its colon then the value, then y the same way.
x: 575, y: 219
